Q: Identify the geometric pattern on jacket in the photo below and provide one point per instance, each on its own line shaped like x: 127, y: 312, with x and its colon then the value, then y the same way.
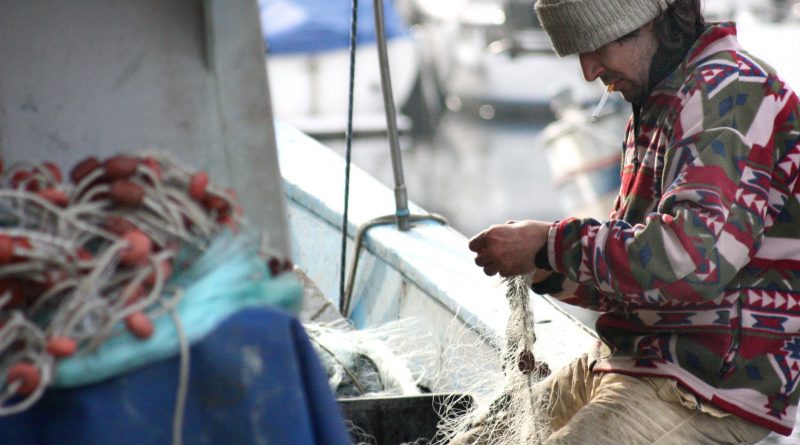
x: 697, y: 270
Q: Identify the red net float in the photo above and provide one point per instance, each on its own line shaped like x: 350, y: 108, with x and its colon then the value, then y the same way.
x: 154, y: 167
x: 55, y: 196
x: 139, y: 324
x: 27, y: 375
x: 83, y: 168
x: 126, y: 193
x: 6, y: 249
x: 198, y: 184
x: 139, y: 248
x: 62, y: 346
x: 120, y: 167
x: 55, y: 172
x: 20, y: 244
x: 217, y: 203
x: 24, y: 177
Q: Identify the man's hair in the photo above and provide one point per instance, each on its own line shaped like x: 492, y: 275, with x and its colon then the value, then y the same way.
x: 680, y: 24
x: 676, y: 28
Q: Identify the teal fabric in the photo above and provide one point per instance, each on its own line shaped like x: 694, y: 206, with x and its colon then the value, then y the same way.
x: 254, y: 380
x: 228, y: 277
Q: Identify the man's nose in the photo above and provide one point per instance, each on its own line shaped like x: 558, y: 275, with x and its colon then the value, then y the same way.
x: 591, y: 65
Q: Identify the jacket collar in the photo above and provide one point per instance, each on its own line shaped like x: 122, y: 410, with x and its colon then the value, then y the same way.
x: 717, y: 37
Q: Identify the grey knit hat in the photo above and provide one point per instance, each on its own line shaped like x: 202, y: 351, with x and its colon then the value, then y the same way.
x: 579, y: 26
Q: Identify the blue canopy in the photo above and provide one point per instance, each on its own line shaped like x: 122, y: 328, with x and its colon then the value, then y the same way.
x: 309, y: 26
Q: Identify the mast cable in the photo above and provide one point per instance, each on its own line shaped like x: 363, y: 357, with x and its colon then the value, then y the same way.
x: 348, y: 145
x: 402, y: 216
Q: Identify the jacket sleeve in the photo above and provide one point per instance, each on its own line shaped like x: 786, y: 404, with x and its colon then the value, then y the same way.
x: 709, y: 220
x: 567, y: 291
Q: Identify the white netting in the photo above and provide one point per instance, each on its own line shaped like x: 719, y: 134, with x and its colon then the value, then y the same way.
x: 397, y: 358
x: 512, y: 408
x: 493, y: 381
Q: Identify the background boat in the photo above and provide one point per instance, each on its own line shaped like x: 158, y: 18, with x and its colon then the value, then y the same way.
x: 308, y: 56
x: 493, y: 57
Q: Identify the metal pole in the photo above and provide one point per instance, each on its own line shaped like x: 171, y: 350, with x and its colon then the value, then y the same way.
x: 400, y: 195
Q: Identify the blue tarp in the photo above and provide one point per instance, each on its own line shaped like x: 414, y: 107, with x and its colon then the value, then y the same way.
x: 310, y: 26
x: 255, y: 379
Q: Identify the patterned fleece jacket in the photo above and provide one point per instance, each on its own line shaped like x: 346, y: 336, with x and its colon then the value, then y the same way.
x: 697, y: 271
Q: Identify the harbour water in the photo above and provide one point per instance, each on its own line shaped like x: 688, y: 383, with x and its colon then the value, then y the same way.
x: 475, y: 172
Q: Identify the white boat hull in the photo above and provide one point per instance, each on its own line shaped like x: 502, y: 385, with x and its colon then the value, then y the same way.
x: 310, y: 91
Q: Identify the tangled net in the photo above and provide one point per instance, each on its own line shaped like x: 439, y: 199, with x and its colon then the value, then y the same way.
x: 396, y: 358
x: 495, y: 393
x: 515, y: 410
x: 85, y: 258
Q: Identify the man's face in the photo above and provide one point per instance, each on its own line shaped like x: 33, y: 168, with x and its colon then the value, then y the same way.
x: 624, y: 62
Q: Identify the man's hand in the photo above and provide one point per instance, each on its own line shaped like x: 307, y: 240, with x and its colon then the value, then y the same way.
x: 509, y: 249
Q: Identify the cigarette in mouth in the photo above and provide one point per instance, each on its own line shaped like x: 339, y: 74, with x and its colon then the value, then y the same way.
x: 603, y: 100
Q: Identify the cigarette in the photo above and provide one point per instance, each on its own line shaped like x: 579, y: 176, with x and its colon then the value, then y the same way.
x: 603, y: 100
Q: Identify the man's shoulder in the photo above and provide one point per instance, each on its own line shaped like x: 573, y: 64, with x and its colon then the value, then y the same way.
x: 733, y: 64
x: 734, y: 71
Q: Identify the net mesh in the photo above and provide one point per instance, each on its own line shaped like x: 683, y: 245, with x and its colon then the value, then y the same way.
x: 86, y: 257
x: 511, y: 407
x: 489, y: 384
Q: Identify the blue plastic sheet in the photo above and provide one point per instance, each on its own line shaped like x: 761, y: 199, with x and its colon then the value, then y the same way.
x: 255, y: 379
x: 311, y: 26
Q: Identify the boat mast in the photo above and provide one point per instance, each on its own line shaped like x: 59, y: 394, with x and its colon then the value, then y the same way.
x: 400, y: 194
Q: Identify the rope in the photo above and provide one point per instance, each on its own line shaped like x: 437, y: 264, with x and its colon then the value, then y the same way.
x: 348, y: 145
x: 183, y: 380
x: 87, y: 258
x: 402, y: 217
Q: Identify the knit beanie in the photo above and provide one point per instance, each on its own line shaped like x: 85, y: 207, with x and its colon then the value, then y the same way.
x: 579, y: 26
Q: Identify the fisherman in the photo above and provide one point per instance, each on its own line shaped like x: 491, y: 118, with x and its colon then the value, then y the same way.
x: 696, y: 272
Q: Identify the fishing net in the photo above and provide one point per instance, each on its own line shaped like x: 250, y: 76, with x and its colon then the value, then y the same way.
x: 397, y: 358
x: 510, y: 407
x: 492, y: 382
x: 106, y: 256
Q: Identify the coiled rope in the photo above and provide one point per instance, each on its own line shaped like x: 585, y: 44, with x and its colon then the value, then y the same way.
x: 86, y: 258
